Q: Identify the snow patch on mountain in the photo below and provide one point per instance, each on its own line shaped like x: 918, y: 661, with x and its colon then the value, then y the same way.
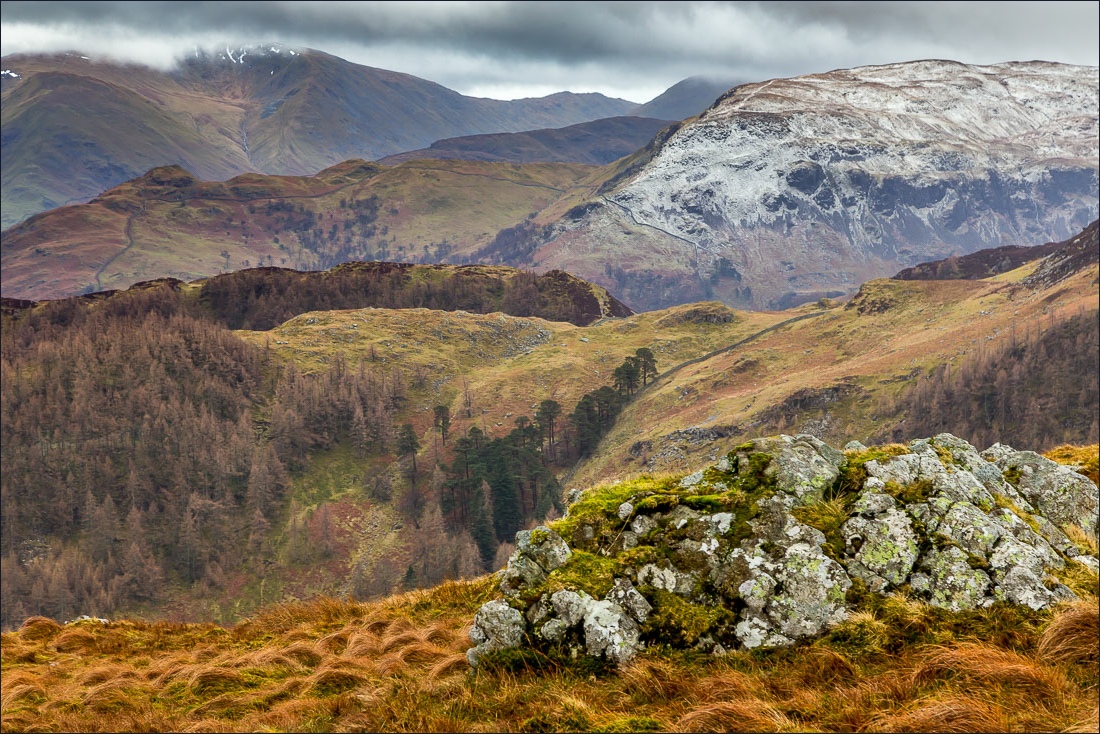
x: 899, y: 161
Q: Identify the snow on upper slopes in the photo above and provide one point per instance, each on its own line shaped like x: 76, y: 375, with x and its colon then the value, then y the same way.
x: 237, y: 55
x: 924, y: 120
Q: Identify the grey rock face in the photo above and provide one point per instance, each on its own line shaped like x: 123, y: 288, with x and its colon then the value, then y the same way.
x: 854, y: 177
x: 950, y: 582
x: 610, y: 632
x: 626, y: 596
x: 801, y: 465
x: 1062, y: 495
x: 883, y: 548
x: 905, y: 469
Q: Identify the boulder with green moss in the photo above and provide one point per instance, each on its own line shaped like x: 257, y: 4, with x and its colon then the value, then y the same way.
x: 777, y: 541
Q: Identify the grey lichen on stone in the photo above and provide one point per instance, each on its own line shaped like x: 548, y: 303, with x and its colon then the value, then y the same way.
x: 887, y: 548
x: 801, y: 464
x: 538, y: 552
x: 951, y: 582
x: 570, y: 606
x: 970, y: 528
x: 1062, y: 495
x: 626, y: 596
x: 610, y: 632
x: 906, y: 469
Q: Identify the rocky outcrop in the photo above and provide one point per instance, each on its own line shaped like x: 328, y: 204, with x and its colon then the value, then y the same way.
x: 782, y: 538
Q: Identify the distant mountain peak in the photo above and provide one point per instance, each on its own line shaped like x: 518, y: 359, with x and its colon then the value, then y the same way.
x: 789, y: 190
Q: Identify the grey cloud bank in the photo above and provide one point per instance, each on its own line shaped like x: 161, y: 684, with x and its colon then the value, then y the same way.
x: 633, y: 50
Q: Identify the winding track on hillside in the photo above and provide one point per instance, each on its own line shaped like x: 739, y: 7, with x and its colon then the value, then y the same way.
x: 129, y: 244
x: 730, y: 347
x: 568, y: 476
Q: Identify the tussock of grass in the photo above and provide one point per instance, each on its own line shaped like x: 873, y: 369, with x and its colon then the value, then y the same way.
x: 980, y: 664
x: 1073, y: 635
x: 948, y: 714
x: 39, y: 628
x: 1089, y: 723
x: 744, y: 715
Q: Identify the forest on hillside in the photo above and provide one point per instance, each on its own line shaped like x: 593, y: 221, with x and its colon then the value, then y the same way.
x: 1040, y: 389
x: 146, y: 446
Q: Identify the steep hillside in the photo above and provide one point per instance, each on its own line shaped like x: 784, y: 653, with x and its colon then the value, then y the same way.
x: 369, y: 449
x: 987, y: 263
x: 866, y: 370
x: 169, y: 223
x: 264, y: 108
x: 594, y: 143
x: 792, y: 189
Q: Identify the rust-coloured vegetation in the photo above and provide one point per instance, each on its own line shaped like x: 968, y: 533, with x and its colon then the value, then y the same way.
x: 399, y: 665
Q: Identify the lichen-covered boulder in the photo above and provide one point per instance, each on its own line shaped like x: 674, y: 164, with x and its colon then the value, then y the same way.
x: 883, y: 547
x: 949, y: 580
x: 1062, y: 495
x: 626, y: 596
x: 610, y: 632
x: 782, y: 537
x: 497, y: 626
x: 801, y: 465
x: 906, y: 469
x: 538, y: 552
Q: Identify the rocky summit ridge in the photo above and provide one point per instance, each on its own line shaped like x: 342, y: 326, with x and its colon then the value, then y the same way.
x: 785, y: 537
x: 791, y: 189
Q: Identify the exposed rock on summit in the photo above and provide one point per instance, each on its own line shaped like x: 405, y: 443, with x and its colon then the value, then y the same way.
x: 784, y: 537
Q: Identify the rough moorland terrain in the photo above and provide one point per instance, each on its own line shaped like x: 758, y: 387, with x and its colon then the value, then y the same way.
x: 913, y: 656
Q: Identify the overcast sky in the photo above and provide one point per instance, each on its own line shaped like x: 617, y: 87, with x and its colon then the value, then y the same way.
x: 633, y: 50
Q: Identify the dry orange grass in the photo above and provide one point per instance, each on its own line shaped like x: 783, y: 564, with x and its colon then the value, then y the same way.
x: 949, y: 714
x: 1085, y: 457
x: 979, y: 663
x: 745, y: 715
x: 399, y: 665
x: 1073, y: 635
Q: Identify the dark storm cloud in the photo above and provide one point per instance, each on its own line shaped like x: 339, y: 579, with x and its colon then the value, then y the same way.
x: 611, y: 46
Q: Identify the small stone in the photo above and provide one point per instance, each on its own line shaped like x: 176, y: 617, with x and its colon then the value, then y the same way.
x: 626, y: 596
x: 642, y: 524
x: 540, y: 611
x: 692, y: 479
x: 610, y: 632
x: 553, y: 630
x: 497, y: 626
x: 570, y: 606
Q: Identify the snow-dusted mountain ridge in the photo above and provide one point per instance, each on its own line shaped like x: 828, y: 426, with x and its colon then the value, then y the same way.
x: 791, y: 189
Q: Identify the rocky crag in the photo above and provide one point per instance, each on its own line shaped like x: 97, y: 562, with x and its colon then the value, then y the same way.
x: 785, y: 537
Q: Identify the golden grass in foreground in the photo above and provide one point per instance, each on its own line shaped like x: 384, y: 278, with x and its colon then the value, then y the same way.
x: 399, y: 665
x: 1086, y: 458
